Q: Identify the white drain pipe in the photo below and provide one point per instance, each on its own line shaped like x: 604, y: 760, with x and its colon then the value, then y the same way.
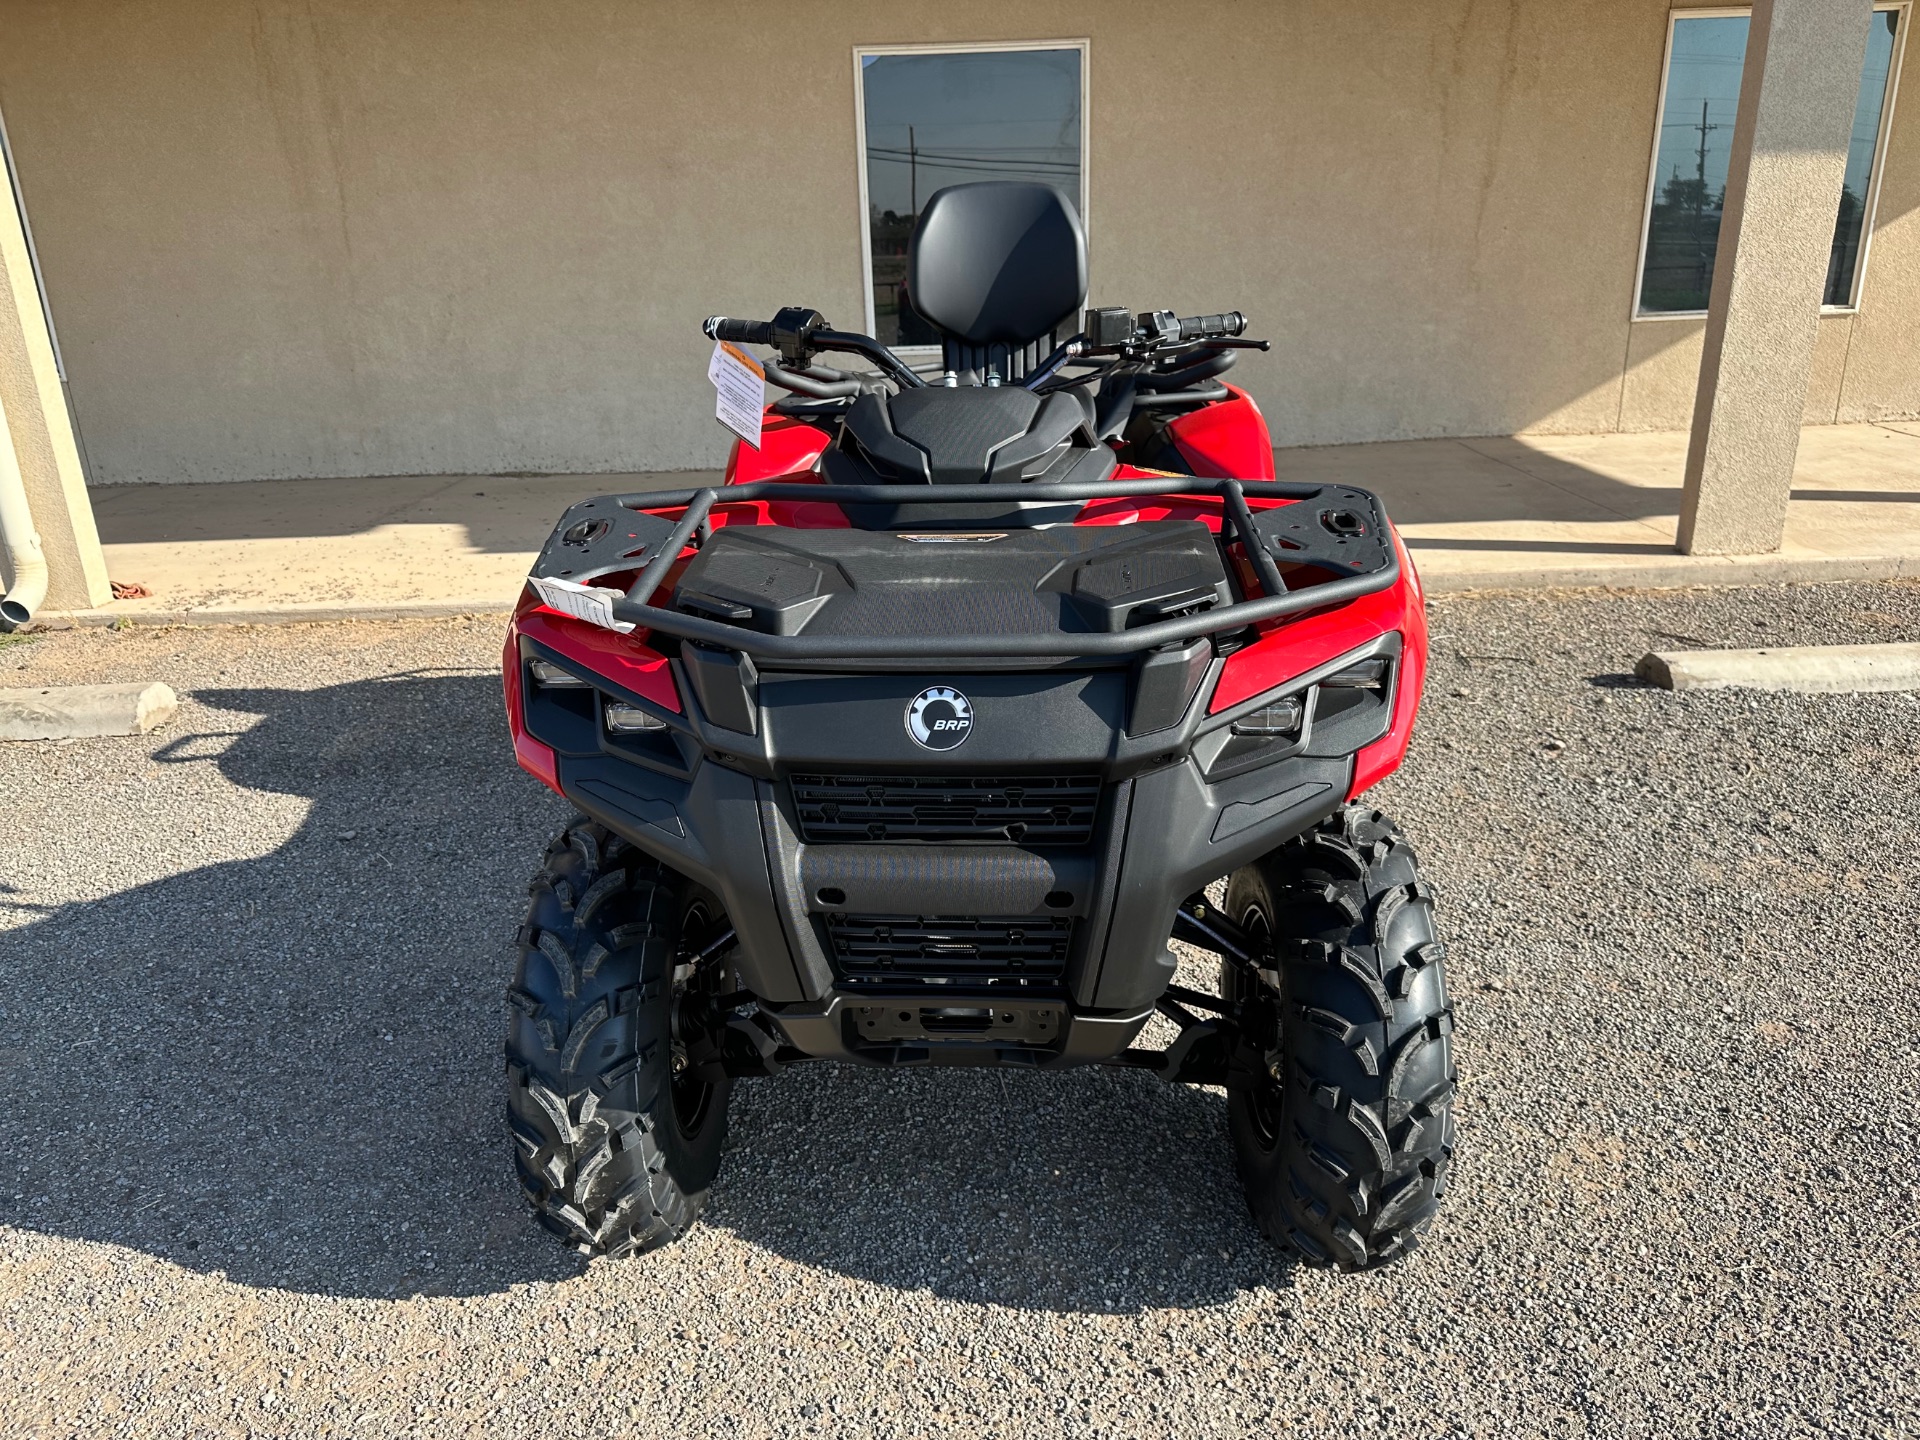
x: 26, y: 561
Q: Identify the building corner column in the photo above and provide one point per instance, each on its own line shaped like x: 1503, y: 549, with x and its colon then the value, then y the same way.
x: 1798, y: 90
x: 41, y: 432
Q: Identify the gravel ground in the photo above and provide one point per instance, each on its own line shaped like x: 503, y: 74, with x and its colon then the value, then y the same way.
x: 251, y: 976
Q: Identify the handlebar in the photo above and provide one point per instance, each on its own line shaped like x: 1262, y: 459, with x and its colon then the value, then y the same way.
x: 819, y: 383
x: 797, y: 333
x: 739, y: 332
x: 1154, y: 338
x: 1211, y: 363
x: 1111, y: 329
x: 1213, y: 327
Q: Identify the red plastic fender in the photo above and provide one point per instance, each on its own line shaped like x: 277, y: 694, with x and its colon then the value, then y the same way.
x: 789, y: 449
x: 620, y: 658
x: 1295, y: 647
x: 1380, y: 759
x: 533, y: 757
x: 1226, y: 440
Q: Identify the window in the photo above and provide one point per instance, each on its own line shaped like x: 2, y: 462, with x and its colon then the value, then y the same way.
x: 1699, y: 96
x: 933, y: 117
x: 1857, y: 192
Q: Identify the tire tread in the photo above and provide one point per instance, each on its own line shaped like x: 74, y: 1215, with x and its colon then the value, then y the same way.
x: 1366, y: 1132
x: 589, y: 1097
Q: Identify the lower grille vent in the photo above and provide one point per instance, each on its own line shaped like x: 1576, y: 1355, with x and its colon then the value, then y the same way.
x: 984, y: 809
x: 1024, y: 951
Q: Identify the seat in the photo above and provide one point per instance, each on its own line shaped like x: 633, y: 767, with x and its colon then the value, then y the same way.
x: 996, y: 267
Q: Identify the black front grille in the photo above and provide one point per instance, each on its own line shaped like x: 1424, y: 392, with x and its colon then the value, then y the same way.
x: 1024, y: 951
x: 1024, y: 809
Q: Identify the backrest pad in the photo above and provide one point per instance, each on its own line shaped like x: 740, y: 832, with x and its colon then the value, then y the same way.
x: 997, y: 263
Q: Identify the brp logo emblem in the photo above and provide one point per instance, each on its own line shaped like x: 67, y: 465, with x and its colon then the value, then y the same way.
x: 939, y: 718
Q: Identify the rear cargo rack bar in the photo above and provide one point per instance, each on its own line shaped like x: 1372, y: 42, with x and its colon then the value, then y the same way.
x: 1279, y: 601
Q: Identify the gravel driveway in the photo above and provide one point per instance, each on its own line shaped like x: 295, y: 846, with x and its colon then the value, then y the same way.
x: 254, y: 1180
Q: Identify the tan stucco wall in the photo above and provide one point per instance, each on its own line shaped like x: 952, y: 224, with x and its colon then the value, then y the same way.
x: 329, y: 237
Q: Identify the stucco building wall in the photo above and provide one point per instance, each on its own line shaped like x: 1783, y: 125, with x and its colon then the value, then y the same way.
x: 353, y: 237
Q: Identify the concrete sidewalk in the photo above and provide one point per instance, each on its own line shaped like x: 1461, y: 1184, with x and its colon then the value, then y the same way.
x: 1503, y: 513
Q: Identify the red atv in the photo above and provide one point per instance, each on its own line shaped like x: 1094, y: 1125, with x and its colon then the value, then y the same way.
x: 917, y: 741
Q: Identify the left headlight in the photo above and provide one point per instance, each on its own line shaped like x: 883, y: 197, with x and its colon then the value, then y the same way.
x: 624, y: 719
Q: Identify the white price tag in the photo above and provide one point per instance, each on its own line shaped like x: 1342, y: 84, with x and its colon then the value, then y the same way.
x: 591, y: 603
x: 739, y: 383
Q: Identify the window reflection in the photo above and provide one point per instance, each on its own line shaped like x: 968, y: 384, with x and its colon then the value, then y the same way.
x: 1696, y: 143
x: 1866, y: 138
x: 1690, y: 164
x: 945, y: 118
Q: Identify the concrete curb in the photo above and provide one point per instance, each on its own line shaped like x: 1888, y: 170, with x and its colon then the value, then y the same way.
x: 1680, y: 573
x: 72, y: 712
x: 283, y: 614
x: 1807, y: 669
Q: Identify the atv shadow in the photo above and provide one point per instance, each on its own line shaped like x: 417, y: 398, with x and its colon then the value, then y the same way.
x: 286, y: 1069
x: 1088, y: 1190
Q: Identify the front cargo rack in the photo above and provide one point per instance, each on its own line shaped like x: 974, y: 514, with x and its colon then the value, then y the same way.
x: 1339, y: 529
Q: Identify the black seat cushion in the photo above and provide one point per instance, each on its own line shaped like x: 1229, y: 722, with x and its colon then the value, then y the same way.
x: 1001, y: 262
x: 961, y: 430
x: 972, y: 435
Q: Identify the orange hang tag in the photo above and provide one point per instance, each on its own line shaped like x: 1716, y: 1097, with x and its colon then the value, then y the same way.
x: 739, y: 384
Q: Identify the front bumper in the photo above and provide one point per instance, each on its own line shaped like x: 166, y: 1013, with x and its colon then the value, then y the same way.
x: 1177, y: 808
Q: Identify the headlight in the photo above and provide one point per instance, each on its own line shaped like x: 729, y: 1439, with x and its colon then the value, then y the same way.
x: 1281, y: 717
x: 1368, y: 674
x: 630, y: 719
x: 552, y: 677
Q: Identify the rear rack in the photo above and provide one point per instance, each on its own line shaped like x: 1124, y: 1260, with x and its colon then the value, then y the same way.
x: 1348, y: 536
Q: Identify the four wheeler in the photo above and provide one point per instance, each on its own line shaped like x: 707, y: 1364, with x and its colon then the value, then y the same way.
x: 919, y: 739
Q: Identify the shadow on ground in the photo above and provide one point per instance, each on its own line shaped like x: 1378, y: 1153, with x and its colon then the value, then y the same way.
x: 1487, y: 480
x: 1562, y: 547
x: 287, y: 1069
x: 1088, y: 1190
x: 500, y: 514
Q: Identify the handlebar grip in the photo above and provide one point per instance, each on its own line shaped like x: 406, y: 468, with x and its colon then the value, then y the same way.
x: 1212, y: 327
x: 739, y: 332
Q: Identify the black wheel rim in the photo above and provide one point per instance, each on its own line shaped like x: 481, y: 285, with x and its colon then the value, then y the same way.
x: 1264, y: 1100
x: 692, y: 1095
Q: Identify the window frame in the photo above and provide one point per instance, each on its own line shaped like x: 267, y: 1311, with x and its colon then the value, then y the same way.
x: 971, y: 47
x: 1875, y: 174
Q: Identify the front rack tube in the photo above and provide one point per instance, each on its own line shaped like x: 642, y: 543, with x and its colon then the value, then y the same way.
x: 1277, y: 602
